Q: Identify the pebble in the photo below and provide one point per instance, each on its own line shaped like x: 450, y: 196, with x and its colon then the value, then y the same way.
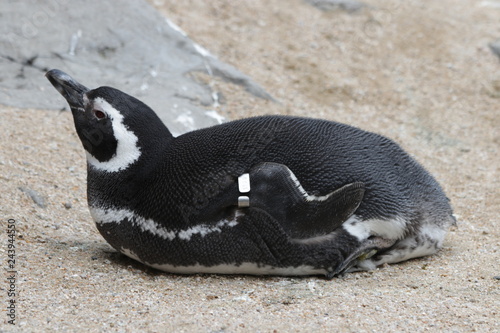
x: 35, y: 196
x: 495, y: 47
x: 349, y: 6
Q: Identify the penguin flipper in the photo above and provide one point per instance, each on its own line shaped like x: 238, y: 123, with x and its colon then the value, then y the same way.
x: 320, y: 217
x: 332, y: 255
x: 275, y: 189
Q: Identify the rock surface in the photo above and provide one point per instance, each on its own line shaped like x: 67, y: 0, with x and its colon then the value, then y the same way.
x: 129, y: 46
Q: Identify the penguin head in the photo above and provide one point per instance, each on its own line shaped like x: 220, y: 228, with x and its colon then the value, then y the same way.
x: 114, y: 127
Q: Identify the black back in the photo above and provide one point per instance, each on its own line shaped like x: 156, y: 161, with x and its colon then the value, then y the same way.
x: 175, y: 187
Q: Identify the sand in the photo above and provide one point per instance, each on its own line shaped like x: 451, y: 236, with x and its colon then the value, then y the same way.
x: 418, y: 72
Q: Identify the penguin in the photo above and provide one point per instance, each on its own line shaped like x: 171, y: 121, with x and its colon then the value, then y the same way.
x: 268, y: 195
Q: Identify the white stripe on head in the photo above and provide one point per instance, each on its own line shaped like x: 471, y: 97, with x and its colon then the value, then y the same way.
x: 127, y: 151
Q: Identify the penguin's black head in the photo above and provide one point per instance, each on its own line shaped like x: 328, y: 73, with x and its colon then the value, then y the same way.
x: 113, y: 127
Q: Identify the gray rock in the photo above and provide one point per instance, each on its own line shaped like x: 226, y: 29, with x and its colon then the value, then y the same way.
x: 35, y: 196
x: 350, y: 6
x: 495, y: 47
x: 129, y: 46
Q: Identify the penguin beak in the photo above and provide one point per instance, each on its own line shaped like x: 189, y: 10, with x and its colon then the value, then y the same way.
x: 68, y: 87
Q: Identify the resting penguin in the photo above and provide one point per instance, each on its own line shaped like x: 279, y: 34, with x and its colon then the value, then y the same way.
x: 266, y: 195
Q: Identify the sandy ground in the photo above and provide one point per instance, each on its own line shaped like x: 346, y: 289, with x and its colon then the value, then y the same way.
x: 418, y: 72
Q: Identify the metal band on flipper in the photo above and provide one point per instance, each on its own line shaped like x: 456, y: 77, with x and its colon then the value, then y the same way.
x: 243, y: 201
x: 244, y: 187
x: 244, y: 183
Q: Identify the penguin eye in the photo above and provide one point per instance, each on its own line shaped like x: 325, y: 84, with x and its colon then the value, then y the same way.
x: 99, y: 114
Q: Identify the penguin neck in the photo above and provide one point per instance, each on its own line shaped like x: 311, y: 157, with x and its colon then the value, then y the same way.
x: 153, y: 138
x: 106, y: 184
x: 133, y: 147
x: 154, y: 143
